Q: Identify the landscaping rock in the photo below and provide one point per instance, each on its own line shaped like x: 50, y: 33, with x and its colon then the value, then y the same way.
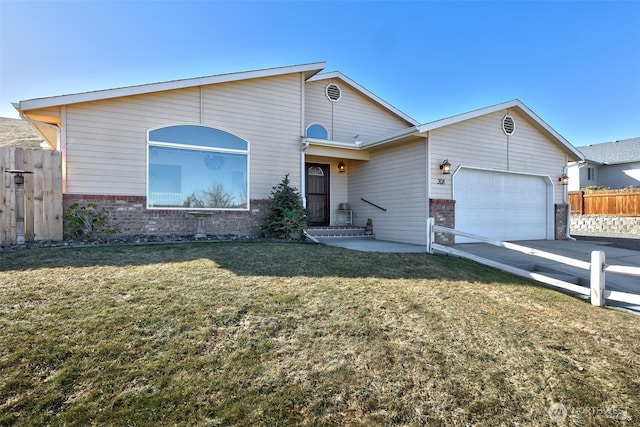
x: 139, y: 239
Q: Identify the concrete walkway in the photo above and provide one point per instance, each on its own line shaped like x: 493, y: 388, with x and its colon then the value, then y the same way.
x: 580, y: 250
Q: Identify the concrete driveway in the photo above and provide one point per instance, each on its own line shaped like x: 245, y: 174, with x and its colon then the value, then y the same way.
x: 580, y: 249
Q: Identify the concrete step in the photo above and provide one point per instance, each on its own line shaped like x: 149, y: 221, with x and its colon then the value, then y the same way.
x: 338, y: 231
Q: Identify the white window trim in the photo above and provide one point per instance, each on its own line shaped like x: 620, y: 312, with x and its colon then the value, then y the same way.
x: 246, y: 152
x: 317, y: 124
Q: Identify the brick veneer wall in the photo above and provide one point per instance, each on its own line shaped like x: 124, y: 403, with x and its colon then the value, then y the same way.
x: 560, y: 215
x: 443, y: 211
x: 130, y: 216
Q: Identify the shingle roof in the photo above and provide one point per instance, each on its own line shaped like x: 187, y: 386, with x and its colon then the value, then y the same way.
x: 615, y: 152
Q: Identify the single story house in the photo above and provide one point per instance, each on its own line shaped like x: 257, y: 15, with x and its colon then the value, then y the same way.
x: 154, y: 154
x: 615, y: 165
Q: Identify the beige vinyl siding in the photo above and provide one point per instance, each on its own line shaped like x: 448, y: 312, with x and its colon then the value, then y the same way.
x: 354, y: 114
x: 481, y: 143
x: 106, y: 140
x: 531, y: 151
x: 395, y: 179
x: 266, y: 112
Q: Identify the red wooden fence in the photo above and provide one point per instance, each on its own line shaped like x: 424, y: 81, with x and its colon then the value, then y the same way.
x: 605, y: 202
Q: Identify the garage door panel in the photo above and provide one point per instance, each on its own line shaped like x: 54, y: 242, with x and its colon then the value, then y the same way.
x: 501, y: 205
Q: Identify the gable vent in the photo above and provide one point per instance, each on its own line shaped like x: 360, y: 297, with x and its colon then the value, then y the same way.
x: 333, y: 92
x: 508, y: 125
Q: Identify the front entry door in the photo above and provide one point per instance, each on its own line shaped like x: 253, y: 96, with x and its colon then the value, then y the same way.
x: 317, y: 193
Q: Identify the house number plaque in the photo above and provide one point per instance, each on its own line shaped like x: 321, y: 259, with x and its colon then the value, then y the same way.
x: 440, y: 181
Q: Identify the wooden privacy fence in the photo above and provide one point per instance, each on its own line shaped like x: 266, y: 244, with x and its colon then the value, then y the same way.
x: 42, y: 194
x: 596, y: 267
x: 605, y: 202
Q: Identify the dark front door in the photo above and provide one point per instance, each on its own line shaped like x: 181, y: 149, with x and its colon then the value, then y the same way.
x: 317, y: 193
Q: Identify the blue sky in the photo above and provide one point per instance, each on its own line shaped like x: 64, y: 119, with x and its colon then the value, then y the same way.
x: 574, y: 63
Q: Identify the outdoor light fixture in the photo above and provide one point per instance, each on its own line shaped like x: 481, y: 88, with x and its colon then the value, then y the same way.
x: 342, y: 167
x: 564, y: 179
x: 445, y: 167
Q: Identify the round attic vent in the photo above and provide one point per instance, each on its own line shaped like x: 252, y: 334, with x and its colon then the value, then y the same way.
x: 508, y: 125
x: 333, y: 92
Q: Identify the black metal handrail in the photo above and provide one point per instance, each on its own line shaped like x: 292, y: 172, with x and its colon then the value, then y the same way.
x: 373, y: 204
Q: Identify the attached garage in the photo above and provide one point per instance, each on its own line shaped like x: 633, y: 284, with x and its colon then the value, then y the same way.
x: 503, y: 205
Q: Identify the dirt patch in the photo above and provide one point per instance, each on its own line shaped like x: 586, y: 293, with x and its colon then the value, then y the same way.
x: 18, y: 133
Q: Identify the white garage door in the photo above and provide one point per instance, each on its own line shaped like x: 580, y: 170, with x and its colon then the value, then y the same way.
x: 502, y: 205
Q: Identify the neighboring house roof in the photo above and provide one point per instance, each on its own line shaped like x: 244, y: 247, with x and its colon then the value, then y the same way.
x: 18, y: 133
x: 424, y: 128
x: 614, y: 152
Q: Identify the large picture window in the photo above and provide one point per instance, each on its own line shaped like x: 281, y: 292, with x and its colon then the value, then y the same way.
x: 197, y: 167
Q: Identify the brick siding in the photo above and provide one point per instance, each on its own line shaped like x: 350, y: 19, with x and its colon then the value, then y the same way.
x: 129, y: 215
x: 560, y: 216
x: 443, y: 211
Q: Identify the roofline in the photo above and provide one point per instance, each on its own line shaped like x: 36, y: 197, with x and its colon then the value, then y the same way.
x: 309, y: 69
x: 412, y: 131
x: 365, y: 92
x: 424, y: 128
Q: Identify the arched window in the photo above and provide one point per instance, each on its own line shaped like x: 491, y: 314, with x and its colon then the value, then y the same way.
x: 196, y: 167
x: 317, y: 131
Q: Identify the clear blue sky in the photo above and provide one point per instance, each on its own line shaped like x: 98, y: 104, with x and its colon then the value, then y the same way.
x: 575, y: 63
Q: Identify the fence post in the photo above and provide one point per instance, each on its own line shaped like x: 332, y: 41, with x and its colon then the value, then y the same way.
x: 430, y: 235
x: 597, y: 278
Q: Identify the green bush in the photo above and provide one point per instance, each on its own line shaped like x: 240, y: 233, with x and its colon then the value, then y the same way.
x: 87, y: 222
x: 287, y: 218
x: 595, y: 188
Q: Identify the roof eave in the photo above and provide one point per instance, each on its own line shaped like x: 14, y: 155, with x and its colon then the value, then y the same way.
x: 404, y: 133
x: 515, y: 103
x: 309, y: 71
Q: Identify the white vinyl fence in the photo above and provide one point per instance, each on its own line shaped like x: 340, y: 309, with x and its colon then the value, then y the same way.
x: 597, y: 266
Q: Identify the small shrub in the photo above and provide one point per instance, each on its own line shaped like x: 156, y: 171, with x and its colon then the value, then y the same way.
x: 87, y: 221
x: 595, y: 188
x: 286, y: 218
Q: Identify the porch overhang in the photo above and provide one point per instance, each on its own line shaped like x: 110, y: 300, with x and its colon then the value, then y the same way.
x: 336, y: 149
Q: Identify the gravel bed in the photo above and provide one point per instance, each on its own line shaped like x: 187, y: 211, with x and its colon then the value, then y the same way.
x: 139, y: 239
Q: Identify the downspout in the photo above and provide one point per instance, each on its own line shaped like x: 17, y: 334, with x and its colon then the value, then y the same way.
x: 565, y: 192
x: 305, y: 145
x: 303, y: 184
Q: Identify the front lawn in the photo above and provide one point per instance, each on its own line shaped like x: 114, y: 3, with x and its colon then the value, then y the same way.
x: 270, y: 334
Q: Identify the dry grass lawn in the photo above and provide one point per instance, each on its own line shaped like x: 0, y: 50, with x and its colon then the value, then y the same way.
x: 292, y: 334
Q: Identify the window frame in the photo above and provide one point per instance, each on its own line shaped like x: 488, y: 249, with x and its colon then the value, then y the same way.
x: 190, y: 147
x: 306, y: 131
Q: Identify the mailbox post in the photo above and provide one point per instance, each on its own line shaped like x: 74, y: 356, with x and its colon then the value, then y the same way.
x: 18, y: 180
